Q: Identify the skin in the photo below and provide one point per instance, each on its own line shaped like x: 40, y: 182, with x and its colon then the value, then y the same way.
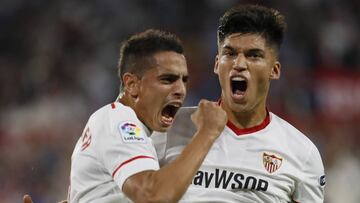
x: 168, y: 78
x: 27, y: 199
x: 248, y: 56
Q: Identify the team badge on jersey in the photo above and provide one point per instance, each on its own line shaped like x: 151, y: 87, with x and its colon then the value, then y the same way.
x: 131, y: 133
x: 271, y: 162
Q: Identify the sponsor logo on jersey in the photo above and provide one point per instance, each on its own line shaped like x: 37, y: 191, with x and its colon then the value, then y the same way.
x: 271, y: 162
x: 322, y: 180
x: 230, y: 180
x: 130, y: 132
x: 86, y: 139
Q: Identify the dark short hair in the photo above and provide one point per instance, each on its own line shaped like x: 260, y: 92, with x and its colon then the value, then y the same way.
x: 254, y: 19
x: 139, y: 48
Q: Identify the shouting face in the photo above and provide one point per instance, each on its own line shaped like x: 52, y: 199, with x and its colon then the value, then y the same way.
x: 245, y: 65
x: 161, y: 90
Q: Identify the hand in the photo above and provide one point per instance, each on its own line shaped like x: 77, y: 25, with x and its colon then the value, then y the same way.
x: 209, y: 118
x: 27, y: 199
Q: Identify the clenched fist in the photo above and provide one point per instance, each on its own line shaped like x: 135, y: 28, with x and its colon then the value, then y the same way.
x: 209, y: 118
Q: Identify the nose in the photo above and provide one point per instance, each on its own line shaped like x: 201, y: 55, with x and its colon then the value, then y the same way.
x: 180, y: 89
x: 240, y: 62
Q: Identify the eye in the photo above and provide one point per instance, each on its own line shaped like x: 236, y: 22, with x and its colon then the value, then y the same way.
x: 228, y: 53
x: 168, y: 79
x: 255, y: 54
x: 185, y: 79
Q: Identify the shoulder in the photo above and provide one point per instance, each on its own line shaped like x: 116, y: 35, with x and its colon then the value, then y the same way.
x: 290, y: 131
x: 183, y: 117
x: 183, y: 129
x: 108, y: 117
x: 113, y: 111
x: 297, y: 141
x: 186, y: 110
x: 300, y: 147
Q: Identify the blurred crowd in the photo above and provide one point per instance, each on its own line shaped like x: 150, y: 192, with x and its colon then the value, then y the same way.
x: 58, y: 64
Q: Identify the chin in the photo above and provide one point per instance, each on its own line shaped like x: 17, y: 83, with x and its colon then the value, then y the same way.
x: 162, y: 129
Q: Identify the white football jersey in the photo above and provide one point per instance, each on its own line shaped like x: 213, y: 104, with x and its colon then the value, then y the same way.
x: 115, y: 144
x: 272, y: 162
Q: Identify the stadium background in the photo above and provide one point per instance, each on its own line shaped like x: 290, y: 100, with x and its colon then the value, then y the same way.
x: 58, y: 64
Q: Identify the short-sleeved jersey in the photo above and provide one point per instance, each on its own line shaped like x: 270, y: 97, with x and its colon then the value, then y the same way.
x: 271, y: 162
x: 115, y: 144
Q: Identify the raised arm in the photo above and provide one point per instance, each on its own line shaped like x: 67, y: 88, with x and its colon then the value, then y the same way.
x: 170, y: 182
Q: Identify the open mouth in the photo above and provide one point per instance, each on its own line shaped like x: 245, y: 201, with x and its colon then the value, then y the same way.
x: 238, y: 85
x: 168, y: 113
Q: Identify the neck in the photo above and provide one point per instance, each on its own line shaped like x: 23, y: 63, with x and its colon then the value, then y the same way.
x: 127, y: 101
x: 246, y: 118
x: 130, y: 101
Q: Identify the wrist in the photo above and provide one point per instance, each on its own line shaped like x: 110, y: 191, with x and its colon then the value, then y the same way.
x: 209, y: 134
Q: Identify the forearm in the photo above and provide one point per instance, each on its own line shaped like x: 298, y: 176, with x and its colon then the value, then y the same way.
x: 175, y: 177
x: 170, y: 182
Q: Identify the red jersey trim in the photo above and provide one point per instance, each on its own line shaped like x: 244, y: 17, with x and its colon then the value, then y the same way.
x: 113, y: 105
x: 244, y: 131
x: 130, y: 160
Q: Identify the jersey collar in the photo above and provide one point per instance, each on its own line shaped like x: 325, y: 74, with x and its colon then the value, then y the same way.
x: 239, y: 131
x: 243, y: 131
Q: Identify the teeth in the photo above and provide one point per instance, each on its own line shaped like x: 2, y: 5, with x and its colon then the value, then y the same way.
x: 176, y: 105
x: 237, y: 79
x: 166, y: 119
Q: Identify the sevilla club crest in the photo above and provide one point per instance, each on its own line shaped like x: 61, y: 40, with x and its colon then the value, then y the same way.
x: 271, y: 162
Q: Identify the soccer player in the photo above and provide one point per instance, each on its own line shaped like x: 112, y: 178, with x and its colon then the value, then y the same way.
x: 115, y: 160
x: 259, y: 157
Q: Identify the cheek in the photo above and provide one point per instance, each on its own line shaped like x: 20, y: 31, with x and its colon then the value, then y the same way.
x: 155, y: 94
x: 147, y: 95
x: 223, y: 73
x: 222, y: 79
x: 262, y: 82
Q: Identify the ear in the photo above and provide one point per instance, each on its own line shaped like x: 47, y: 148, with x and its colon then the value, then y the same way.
x: 131, y: 84
x: 275, y: 71
x: 216, y: 65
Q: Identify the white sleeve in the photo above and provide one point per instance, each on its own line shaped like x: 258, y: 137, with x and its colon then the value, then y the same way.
x: 126, y: 149
x: 311, y: 187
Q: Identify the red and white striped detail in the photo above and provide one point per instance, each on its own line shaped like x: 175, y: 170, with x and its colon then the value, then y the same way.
x: 130, y: 160
x: 271, y: 162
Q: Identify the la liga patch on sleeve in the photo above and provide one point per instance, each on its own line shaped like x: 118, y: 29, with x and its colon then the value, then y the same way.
x: 131, y: 133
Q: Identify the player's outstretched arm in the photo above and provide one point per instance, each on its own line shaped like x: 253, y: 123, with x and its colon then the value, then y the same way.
x: 170, y: 182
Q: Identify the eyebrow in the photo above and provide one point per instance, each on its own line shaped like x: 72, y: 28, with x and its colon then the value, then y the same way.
x: 247, y: 50
x: 173, y: 76
x: 229, y: 47
x: 255, y: 50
